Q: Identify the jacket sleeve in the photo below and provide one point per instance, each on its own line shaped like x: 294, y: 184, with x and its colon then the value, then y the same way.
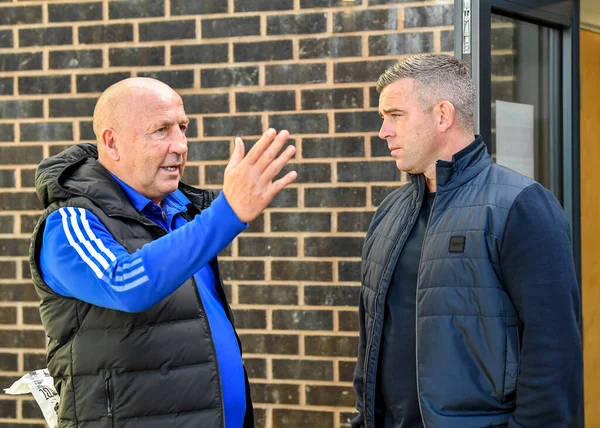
x: 539, y: 274
x: 359, y: 420
x: 79, y: 258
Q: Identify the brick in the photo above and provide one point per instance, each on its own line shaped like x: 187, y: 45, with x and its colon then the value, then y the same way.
x: 365, y: 20
x: 22, y: 339
x: 21, y: 15
x: 291, y: 74
x: 373, y: 97
x: 325, y: 395
x: 73, y: 107
x: 331, y: 295
x: 263, y: 51
x: 31, y: 409
x: 260, y: 418
x: 6, y: 39
x: 270, y: 343
x: 86, y: 131
x: 228, y: 77
x: 169, y: 30
x: 8, y: 269
x: 8, y: 315
x: 186, y: 7
x: 257, y: 225
x: 300, y: 222
x: 265, y: 101
x: 275, y: 394
x: 447, y: 41
x: 368, y: 121
x: 260, y: 5
x: 209, y: 103
x: 226, y: 252
x: 331, y: 346
x: 379, y: 147
x: 333, y: 247
x: 7, y: 224
x: 135, y: 9
x: 335, y: 197
x: 26, y: 269
x: 7, y: 178
x: 332, y: 99
x: 331, y: 47
x: 250, y: 318
x: 367, y: 171
x: 199, y: 54
x: 14, y: 247
x: 28, y: 223
x: 230, y: 126
x: 333, y: 147
x: 31, y: 315
x: 354, y: 221
x: 242, y: 270
x: 208, y: 150
x: 400, y: 44
x: 301, y: 271
x: 76, y: 59
x: 49, y: 131
x: 46, y: 36
x: 21, y: 62
x: 309, y: 4
x: 98, y: 82
x: 308, y: 23
x: 300, y: 123
x: 302, y: 370
x: 119, y: 57
x: 176, y: 79
x: 72, y: 12
x: 302, y: 320
x: 31, y: 155
x: 309, y: 172
x: 15, y: 292
x: 231, y: 27
x: 192, y: 129
x: 378, y: 193
x: 361, y: 71
x: 267, y: 247
x: 28, y: 178
x: 429, y: 16
x: 8, y: 362
x: 34, y: 361
x: 214, y: 174
x: 346, y: 370
x: 287, y: 198
x: 191, y: 175
x: 44, y: 85
x: 348, y: 320
x: 268, y: 294
x: 112, y: 33
x: 256, y: 368
x: 302, y: 418
x: 56, y: 149
x: 8, y: 408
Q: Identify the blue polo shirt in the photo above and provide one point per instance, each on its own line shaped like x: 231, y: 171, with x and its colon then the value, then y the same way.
x: 80, y: 259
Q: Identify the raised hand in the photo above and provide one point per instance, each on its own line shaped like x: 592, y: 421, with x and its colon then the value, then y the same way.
x: 248, y: 183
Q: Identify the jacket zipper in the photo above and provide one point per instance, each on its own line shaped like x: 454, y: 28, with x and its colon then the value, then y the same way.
x: 417, y: 312
x: 108, y: 398
x: 368, y: 345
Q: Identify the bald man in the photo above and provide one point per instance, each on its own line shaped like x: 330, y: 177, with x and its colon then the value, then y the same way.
x: 124, y: 259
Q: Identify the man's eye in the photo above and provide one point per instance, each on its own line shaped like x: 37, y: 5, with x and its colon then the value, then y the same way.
x: 183, y: 128
x: 160, y: 130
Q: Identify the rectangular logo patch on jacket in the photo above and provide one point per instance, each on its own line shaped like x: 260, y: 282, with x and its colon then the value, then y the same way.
x: 457, y: 244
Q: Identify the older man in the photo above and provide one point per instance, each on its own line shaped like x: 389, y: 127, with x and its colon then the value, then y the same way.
x: 124, y: 261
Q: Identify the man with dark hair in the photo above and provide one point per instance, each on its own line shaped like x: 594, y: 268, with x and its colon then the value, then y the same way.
x: 124, y: 261
x: 469, y: 303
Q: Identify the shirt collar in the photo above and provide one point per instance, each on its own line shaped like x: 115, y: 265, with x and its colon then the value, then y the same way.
x: 174, y: 199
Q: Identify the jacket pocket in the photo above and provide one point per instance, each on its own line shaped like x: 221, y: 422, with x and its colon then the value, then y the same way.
x: 511, y: 373
x: 109, y: 398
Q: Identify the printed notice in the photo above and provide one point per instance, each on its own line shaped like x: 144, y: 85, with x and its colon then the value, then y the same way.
x: 514, y: 137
